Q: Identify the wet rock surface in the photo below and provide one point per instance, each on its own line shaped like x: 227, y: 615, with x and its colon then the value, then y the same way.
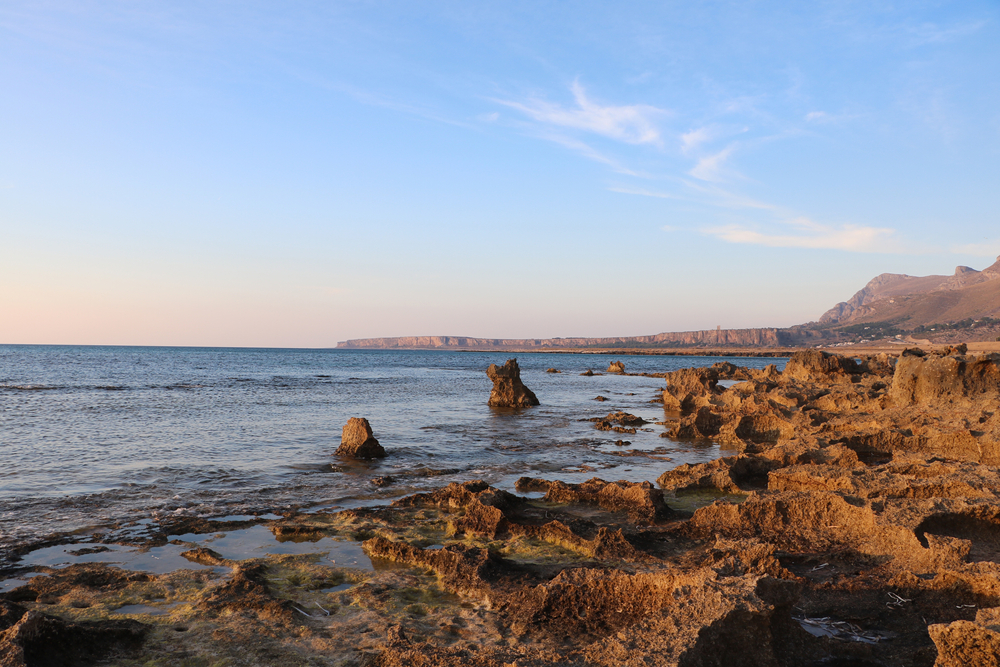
x: 508, y: 390
x: 618, y: 422
x: 358, y: 441
x: 854, y: 520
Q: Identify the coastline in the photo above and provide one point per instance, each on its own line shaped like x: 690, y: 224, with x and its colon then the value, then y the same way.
x: 896, y: 348
x: 853, y: 518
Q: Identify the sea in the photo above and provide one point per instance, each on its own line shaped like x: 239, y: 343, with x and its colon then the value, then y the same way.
x: 94, y: 437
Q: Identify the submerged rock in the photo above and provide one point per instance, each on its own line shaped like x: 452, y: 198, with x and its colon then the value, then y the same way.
x: 508, y: 390
x: 626, y: 423
x: 357, y: 440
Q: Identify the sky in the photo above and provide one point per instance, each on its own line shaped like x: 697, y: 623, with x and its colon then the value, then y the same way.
x: 298, y: 174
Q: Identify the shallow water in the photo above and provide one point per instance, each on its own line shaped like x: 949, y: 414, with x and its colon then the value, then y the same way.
x: 100, y: 438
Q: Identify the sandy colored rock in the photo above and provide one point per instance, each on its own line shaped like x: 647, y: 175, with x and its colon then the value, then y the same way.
x: 811, y: 365
x: 732, y: 474
x: 944, y: 379
x: 640, y: 500
x: 616, y: 367
x: 508, y: 390
x: 965, y: 644
x: 690, y: 388
x: 357, y: 440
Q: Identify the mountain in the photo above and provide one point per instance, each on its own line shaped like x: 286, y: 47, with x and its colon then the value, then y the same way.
x: 909, y: 302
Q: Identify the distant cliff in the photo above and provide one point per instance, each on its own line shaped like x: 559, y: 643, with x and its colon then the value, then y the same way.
x: 891, y: 305
x: 729, y: 337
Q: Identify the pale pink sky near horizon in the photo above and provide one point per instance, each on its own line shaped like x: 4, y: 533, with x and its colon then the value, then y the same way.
x: 197, y: 173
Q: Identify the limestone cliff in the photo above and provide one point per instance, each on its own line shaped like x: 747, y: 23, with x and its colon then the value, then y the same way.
x: 729, y: 337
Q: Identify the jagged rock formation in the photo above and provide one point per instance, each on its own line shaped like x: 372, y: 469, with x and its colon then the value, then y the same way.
x: 616, y: 367
x: 358, y: 441
x: 508, y: 390
x: 968, y: 643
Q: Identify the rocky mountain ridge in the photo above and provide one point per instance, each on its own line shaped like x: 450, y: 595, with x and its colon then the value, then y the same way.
x: 906, y: 297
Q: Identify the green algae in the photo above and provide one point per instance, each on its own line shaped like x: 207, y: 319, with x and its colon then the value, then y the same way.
x: 694, y: 499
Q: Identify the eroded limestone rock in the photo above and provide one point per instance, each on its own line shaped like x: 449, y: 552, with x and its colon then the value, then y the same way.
x: 816, y: 365
x: 508, y: 390
x: 358, y: 441
x: 690, y: 388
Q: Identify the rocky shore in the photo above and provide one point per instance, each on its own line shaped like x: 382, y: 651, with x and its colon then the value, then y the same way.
x: 854, y: 522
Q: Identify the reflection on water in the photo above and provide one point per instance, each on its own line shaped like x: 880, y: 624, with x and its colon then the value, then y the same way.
x: 123, y: 436
x: 157, y: 560
x: 258, y: 541
x: 254, y: 542
x: 146, y: 609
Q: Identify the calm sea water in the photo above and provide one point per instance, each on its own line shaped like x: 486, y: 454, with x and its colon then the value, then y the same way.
x: 95, y: 436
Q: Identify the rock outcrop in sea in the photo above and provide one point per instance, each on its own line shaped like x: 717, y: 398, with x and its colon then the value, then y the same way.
x: 508, y: 390
x: 358, y: 441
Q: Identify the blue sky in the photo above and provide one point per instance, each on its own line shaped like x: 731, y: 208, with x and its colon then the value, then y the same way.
x: 199, y: 173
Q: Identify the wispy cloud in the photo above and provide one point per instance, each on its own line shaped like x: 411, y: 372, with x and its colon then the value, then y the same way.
x: 692, y: 139
x: 370, y: 98
x: 633, y: 124
x: 825, y: 118
x: 643, y: 192
x: 591, y: 153
x: 718, y: 196
x: 804, y: 233
x: 710, y: 167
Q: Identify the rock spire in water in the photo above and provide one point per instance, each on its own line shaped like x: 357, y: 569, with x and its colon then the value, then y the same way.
x: 357, y: 440
x: 508, y: 390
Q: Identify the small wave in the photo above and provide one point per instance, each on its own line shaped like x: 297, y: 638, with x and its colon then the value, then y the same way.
x: 111, y: 387
x: 31, y: 387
